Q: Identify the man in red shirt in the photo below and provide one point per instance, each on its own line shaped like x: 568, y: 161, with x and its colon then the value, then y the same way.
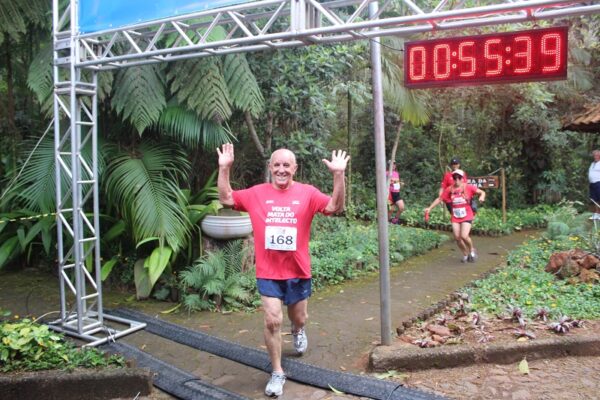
x: 281, y: 213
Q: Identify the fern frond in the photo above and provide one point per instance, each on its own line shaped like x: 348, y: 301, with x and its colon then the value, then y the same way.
x: 140, y: 95
x: 243, y: 87
x: 185, y: 126
x: 200, y: 85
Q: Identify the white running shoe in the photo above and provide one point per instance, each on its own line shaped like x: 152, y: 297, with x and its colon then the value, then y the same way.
x: 275, y: 385
x: 300, y: 341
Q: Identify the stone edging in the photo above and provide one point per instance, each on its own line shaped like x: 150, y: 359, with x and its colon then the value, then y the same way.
x: 80, y: 384
x: 405, y: 357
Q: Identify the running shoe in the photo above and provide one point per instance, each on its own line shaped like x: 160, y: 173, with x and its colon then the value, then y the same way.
x: 300, y: 341
x: 465, y: 259
x: 275, y: 385
x: 472, y: 257
x: 395, y: 221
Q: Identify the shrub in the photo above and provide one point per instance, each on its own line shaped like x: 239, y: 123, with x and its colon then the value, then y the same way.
x: 27, y: 346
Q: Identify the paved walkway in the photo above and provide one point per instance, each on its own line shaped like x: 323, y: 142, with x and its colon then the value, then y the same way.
x: 344, y: 321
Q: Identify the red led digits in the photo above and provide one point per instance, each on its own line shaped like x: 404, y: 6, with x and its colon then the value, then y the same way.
x: 533, y: 55
x: 551, y: 52
x: 522, y: 59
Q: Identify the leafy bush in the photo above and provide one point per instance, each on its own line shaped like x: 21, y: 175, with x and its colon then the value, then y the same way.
x: 489, y: 220
x: 217, y: 280
x: 27, y: 346
x: 525, y: 284
x: 343, y: 250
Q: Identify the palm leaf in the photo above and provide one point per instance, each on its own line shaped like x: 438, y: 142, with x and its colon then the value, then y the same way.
x: 12, y: 21
x: 185, y: 126
x: 201, y: 86
x: 143, y: 186
x: 241, y: 82
x: 40, y: 79
x: 140, y: 95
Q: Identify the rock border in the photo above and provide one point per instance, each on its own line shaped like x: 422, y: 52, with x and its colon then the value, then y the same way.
x: 93, y: 384
x: 403, y: 357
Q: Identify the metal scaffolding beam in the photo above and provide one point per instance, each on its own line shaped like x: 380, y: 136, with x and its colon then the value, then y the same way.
x: 275, y: 24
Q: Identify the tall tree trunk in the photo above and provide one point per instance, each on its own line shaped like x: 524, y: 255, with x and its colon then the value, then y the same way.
x: 395, y: 146
x: 262, y: 150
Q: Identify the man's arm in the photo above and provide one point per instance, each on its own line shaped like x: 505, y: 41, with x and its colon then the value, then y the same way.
x: 225, y: 162
x: 337, y: 166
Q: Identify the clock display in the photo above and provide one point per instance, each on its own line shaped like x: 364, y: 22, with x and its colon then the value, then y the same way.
x: 533, y: 55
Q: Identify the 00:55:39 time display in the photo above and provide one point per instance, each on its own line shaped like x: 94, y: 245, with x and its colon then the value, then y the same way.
x: 539, y: 54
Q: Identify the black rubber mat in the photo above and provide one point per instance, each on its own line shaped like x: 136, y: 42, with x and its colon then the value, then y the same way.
x: 295, y: 370
x: 170, y: 379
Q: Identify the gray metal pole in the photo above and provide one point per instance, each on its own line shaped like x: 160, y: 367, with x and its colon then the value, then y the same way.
x: 382, y: 217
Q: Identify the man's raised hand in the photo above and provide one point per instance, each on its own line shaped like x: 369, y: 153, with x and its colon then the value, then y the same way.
x: 225, y: 155
x: 338, y: 162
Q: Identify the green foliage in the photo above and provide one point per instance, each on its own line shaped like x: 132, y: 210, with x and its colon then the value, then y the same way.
x: 342, y: 250
x: 212, y: 101
x: 27, y: 346
x: 243, y: 88
x: 40, y: 79
x: 190, y: 130
x: 217, y: 280
x: 140, y: 95
x: 488, y: 221
x: 142, y: 185
x: 525, y: 284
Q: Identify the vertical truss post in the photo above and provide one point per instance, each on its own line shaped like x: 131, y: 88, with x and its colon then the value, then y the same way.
x: 77, y: 199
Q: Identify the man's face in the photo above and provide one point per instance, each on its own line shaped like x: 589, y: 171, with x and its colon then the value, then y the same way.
x: 455, y: 166
x: 596, y: 156
x: 283, y: 167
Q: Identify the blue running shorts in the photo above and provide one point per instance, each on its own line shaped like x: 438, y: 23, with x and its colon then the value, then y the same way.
x: 290, y: 291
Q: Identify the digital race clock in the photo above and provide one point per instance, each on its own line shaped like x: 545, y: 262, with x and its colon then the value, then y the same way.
x: 533, y: 55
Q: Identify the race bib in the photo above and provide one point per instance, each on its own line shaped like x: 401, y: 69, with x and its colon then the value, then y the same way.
x: 281, y: 238
x: 459, y: 212
x: 396, y: 186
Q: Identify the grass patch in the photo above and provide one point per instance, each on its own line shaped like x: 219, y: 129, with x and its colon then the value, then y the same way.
x: 523, y: 283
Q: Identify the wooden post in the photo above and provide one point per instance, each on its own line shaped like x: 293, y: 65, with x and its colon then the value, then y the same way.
x: 503, y: 179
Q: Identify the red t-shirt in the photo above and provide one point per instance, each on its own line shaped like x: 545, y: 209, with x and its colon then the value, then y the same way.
x: 447, y: 180
x: 394, y: 181
x: 460, y: 199
x: 281, y: 222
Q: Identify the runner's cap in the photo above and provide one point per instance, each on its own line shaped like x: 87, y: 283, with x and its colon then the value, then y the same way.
x: 455, y: 160
x: 459, y: 172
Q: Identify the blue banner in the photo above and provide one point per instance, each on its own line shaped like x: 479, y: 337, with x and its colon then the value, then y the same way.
x: 100, y: 15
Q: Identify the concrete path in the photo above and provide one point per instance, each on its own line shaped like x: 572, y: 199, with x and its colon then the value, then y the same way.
x: 344, y: 322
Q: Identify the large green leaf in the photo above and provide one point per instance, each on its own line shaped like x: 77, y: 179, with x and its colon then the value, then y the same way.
x: 8, y: 249
x: 243, y: 87
x: 142, y: 280
x: 185, y: 126
x: 140, y: 95
x: 142, y: 184
x: 157, y: 262
x: 201, y: 86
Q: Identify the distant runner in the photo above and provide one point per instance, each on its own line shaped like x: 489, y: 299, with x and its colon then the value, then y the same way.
x: 459, y: 196
x: 395, y: 184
